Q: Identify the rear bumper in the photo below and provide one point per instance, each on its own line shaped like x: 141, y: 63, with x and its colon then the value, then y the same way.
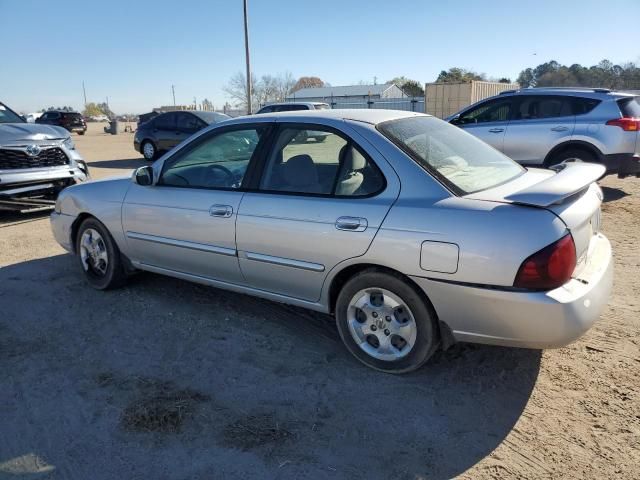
x: 624, y: 164
x: 527, y: 319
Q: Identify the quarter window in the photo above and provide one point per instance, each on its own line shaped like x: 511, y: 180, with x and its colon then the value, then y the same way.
x: 218, y: 161
x: 495, y: 111
x: 584, y: 105
x: 319, y: 162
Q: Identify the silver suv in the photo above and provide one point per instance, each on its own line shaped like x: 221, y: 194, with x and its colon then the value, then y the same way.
x: 549, y: 126
x: 36, y: 159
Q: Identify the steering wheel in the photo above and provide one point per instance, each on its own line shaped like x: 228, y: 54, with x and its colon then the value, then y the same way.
x: 230, y: 177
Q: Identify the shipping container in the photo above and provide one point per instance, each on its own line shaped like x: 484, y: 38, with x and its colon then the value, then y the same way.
x: 444, y: 99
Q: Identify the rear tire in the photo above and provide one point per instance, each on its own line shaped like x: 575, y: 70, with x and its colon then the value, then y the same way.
x: 385, y: 322
x: 571, y: 155
x: 99, y: 256
x: 81, y: 133
x: 149, y: 150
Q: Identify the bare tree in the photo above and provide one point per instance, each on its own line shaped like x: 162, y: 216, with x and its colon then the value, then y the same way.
x: 284, y: 85
x: 236, y: 89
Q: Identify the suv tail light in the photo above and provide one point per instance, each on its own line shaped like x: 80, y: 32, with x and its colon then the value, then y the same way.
x: 548, y: 268
x: 628, y: 124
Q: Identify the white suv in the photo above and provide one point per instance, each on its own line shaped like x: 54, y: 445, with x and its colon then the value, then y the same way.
x: 292, y: 106
x: 549, y: 126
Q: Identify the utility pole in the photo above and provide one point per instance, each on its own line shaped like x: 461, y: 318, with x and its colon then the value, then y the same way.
x: 173, y: 91
x: 246, y: 50
x: 84, y: 91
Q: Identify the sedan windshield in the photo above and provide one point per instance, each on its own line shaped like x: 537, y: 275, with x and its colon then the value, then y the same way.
x: 7, y: 116
x: 458, y: 159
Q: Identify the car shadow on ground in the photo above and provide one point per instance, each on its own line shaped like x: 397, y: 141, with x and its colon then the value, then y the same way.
x: 120, y: 164
x: 612, y: 194
x: 9, y: 218
x: 163, y: 378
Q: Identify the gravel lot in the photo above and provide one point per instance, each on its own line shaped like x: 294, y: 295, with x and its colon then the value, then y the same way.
x: 169, y: 380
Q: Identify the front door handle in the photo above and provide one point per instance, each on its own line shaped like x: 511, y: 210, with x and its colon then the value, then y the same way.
x: 496, y: 130
x: 559, y: 128
x: 224, y: 211
x: 352, y: 224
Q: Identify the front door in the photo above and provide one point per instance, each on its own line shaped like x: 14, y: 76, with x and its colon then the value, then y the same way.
x: 185, y: 222
x: 487, y: 121
x: 321, y: 200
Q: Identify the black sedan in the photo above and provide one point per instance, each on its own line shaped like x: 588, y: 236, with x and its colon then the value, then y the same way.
x: 167, y: 130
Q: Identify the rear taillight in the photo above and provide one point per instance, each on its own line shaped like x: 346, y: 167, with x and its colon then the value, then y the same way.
x: 626, y: 123
x: 549, y: 268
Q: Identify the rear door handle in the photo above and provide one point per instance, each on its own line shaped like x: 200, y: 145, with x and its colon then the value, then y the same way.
x: 496, y: 130
x: 352, y: 224
x: 224, y: 211
x: 559, y: 128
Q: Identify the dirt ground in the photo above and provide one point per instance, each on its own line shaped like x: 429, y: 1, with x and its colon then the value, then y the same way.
x: 165, y: 379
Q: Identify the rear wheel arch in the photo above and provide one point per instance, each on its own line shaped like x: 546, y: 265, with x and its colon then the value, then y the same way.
x: 572, y: 145
x: 347, y: 273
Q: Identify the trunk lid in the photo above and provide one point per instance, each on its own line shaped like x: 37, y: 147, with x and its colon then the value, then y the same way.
x: 571, y: 194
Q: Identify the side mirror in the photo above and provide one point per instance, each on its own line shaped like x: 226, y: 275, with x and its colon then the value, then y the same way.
x: 455, y: 120
x: 143, y: 176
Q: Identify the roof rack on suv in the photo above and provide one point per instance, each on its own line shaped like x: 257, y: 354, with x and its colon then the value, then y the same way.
x: 581, y: 89
x: 508, y: 91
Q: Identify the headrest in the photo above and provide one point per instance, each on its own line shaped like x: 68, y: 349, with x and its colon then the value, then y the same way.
x: 352, y: 160
x: 299, y: 171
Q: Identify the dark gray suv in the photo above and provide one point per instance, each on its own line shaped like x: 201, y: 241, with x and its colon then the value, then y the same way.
x: 549, y: 126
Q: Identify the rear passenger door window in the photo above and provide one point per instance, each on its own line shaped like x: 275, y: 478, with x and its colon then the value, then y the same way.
x: 319, y: 162
x: 543, y: 107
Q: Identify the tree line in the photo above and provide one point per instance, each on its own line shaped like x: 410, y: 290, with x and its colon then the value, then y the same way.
x: 270, y: 88
x: 604, y: 75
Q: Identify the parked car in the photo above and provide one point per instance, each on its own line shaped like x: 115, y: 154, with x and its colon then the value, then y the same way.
x: 71, y: 121
x: 36, y: 158
x: 548, y: 126
x: 293, y: 106
x: 413, y: 233
x: 165, y: 131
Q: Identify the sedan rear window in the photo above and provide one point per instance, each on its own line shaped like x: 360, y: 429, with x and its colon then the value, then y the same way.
x: 458, y: 159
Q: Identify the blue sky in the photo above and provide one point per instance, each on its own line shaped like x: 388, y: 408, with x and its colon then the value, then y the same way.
x: 133, y: 51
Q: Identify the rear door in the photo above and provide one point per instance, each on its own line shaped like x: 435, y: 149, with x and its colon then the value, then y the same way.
x: 538, y: 123
x: 186, y: 125
x: 317, y: 203
x: 487, y: 121
x: 164, y: 130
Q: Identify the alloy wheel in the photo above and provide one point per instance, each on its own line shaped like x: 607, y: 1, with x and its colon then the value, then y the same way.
x: 381, y: 324
x: 93, y: 252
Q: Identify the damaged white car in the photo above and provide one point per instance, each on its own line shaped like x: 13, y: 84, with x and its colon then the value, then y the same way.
x: 35, y: 160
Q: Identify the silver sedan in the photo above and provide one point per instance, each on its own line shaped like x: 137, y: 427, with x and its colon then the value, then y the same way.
x: 413, y: 233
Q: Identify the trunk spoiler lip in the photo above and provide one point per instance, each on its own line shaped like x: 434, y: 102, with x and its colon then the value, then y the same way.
x: 574, y: 178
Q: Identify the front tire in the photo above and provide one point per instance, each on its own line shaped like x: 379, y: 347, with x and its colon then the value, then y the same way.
x: 385, y: 322
x: 99, y: 256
